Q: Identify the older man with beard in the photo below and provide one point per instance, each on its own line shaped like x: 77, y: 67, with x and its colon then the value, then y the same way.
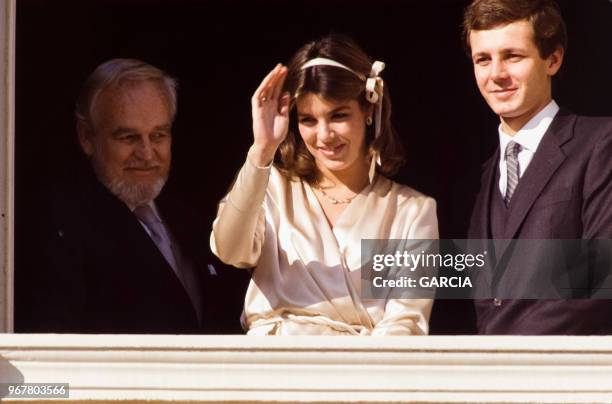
x: 121, y: 258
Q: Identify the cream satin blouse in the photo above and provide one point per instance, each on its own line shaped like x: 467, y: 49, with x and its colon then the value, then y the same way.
x: 307, y: 277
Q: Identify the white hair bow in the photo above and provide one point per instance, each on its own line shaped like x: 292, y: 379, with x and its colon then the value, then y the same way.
x: 374, y: 94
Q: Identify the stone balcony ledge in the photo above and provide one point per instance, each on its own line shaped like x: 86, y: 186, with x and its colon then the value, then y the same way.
x: 430, y: 369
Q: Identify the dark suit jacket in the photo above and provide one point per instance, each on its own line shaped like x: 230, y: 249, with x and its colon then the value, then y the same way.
x: 94, y: 269
x: 565, y: 193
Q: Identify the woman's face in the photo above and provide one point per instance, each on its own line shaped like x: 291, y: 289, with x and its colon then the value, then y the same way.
x: 334, y: 132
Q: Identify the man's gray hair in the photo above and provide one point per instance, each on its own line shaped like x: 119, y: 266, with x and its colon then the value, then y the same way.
x: 116, y: 72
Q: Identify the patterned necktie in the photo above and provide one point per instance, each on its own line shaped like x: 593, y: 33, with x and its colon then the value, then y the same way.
x: 512, y: 168
x: 158, y: 233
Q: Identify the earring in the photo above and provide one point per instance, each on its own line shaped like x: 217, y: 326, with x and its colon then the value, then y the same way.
x: 369, y: 120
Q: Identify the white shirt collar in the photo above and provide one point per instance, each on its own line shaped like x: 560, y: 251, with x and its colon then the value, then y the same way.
x: 530, y: 135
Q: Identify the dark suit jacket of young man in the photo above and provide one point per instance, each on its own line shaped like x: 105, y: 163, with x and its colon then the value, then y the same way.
x: 565, y: 193
x: 94, y: 269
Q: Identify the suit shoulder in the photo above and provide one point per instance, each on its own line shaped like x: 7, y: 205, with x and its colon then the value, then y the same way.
x: 598, y: 127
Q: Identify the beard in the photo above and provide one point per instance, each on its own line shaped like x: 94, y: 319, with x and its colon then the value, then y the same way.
x: 132, y: 194
x: 135, y: 194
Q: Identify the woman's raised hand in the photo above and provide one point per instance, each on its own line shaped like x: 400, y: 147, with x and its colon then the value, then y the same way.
x: 270, y: 116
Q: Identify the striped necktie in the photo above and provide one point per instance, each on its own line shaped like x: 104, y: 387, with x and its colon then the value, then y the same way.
x: 512, y: 169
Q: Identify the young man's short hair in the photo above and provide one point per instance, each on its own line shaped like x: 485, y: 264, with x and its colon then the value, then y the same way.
x: 544, y: 15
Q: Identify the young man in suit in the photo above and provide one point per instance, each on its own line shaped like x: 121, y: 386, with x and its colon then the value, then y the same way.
x: 550, y: 178
x: 118, y: 255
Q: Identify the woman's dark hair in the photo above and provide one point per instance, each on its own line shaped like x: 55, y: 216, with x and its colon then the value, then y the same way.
x: 336, y: 84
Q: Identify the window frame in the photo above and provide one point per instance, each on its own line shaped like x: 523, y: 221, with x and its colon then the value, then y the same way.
x: 7, y: 168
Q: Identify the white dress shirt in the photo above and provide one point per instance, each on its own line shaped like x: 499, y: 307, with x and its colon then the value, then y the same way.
x: 529, y: 137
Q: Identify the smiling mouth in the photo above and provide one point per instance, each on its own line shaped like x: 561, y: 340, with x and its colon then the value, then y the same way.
x: 331, y: 151
x: 505, y: 92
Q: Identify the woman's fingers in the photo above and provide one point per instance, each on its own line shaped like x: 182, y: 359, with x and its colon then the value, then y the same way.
x: 279, y: 81
x: 283, y: 105
x: 262, y: 90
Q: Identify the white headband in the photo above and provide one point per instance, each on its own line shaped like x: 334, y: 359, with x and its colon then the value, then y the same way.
x: 329, y: 62
x: 374, y: 90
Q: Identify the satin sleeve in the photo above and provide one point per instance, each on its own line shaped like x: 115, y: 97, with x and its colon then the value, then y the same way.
x: 238, y: 230
x: 411, y: 316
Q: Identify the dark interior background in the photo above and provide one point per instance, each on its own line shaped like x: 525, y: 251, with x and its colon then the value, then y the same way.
x: 220, y: 50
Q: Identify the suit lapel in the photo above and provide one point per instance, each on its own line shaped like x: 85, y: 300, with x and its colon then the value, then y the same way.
x: 119, y: 225
x: 481, y: 216
x: 480, y: 225
x: 545, y: 163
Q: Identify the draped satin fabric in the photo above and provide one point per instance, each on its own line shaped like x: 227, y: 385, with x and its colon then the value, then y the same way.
x: 307, y: 277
